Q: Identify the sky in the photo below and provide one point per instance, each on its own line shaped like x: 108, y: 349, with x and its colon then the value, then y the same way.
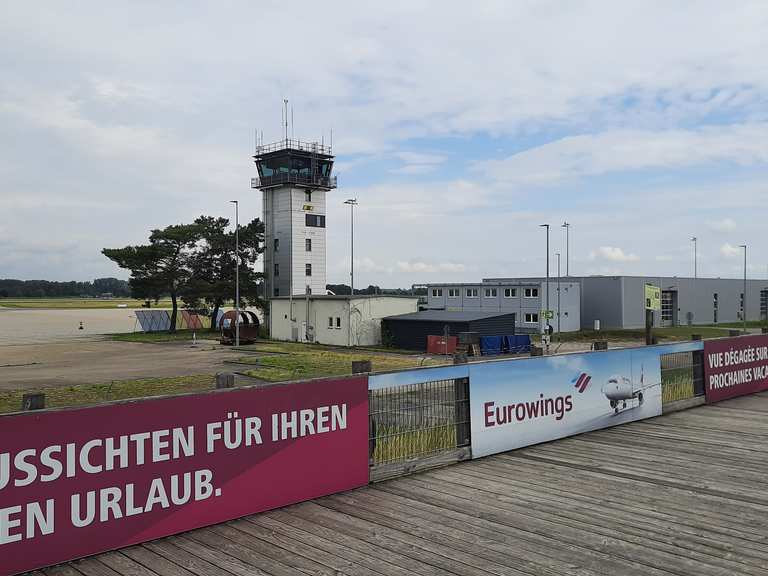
x: 459, y: 127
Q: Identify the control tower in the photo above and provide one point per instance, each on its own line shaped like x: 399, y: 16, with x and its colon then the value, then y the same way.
x: 294, y: 177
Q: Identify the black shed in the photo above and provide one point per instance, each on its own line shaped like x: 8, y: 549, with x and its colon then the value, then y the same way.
x: 410, y: 331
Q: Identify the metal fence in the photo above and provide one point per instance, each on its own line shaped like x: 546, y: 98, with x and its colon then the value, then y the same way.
x: 682, y: 376
x: 418, y: 426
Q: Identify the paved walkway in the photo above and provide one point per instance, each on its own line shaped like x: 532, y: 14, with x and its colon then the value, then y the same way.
x: 683, y: 494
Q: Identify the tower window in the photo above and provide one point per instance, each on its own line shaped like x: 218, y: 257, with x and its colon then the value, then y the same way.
x: 330, y: 321
x: 315, y: 220
x: 308, y: 196
x: 277, y: 291
x: 308, y: 244
x: 308, y: 269
x: 277, y: 244
x: 277, y: 269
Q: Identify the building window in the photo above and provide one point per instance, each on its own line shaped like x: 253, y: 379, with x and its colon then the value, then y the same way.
x: 510, y: 292
x: 277, y: 244
x: 277, y: 291
x: 531, y: 293
x: 491, y: 293
x: 531, y: 318
x: 277, y: 270
x: 308, y: 196
x: 714, y: 307
x: 330, y: 321
x: 308, y: 244
x: 471, y: 292
x: 314, y: 220
x: 453, y: 292
x: 338, y: 322
x: 308, y: 269
x: 437, y: 292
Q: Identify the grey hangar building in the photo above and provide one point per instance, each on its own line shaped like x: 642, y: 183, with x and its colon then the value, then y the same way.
x: 613, y: 301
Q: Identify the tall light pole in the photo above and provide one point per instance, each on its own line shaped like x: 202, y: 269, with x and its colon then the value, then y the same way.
x: 237, y: 271
x: 567, y: 227
x: 695, y: 263
x: 547, y: 282
x: 744, y: 297
x: 695, y: 275
x: 352, y: 203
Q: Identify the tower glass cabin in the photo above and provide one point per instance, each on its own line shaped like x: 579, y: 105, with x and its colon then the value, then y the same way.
x: 294, y: 177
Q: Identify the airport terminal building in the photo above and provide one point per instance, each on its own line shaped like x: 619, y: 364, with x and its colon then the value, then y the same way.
x: 614, y: 301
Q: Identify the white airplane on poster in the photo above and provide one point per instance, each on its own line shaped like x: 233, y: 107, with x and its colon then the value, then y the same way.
x: 620, y: 389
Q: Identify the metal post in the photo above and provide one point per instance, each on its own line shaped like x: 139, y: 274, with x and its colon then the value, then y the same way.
x: 567, y: 227
x: 558, y: 297
x: 695, y: 275
x: 352, y: 203
x: 237, y: 271
x: 744, y: 298
x: 546, y: 329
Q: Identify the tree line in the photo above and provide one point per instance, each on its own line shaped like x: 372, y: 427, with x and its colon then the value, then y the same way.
x: 195, y: 264
x: 11, y: 288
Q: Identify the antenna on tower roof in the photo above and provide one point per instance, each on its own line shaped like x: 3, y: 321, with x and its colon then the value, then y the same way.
x: 331, y: 144
x: 293, y: 135
x: 285, y: 117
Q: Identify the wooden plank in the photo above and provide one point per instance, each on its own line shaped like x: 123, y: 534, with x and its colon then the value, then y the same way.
x: 156, y: 563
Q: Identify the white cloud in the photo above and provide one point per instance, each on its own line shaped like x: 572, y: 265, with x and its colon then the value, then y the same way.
x: 627, y: 150
x: 418, y: 163
x: 724, y: 225
x: 429, y: 268
x: 612, y: 254
x: 729, y: 251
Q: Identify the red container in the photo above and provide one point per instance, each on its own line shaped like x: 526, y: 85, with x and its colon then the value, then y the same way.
x: 437, y: 344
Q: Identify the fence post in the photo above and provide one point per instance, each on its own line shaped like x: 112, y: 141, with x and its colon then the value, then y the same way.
x: 33, y: 401
x: 461, y: 411
x: 697, y: 356
x: 225, y: 380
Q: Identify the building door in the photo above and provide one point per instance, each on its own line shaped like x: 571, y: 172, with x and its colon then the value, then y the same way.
x: 668, y: 308
x: 764, y: 304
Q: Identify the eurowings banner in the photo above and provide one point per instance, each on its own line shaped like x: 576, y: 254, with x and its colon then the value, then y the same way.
x: 517, y: 403
x: 81, y: 481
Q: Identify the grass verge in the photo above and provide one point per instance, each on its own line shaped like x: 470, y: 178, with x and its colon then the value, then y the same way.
x: 158, y: 337
x: 85, y: 394
x: 306, y: 361
x: 77, y: 303
x: 671, y: 334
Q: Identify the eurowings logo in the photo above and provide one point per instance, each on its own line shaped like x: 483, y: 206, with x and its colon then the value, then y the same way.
x: 581, y: 382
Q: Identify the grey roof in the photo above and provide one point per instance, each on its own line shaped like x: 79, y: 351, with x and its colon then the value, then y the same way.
x: 447, y: 316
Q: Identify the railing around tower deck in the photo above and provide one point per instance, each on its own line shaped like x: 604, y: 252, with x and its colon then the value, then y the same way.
x: 291, y: 144
x: 282, y: 178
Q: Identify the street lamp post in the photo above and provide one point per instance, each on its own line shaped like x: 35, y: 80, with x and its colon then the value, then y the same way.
x: 237, y: 271
x: 352, y: 203
x: 695, y: 276
x: 547, y: 283
x: 558, y: 296
x: 567, y: 227
x: 744, y: 297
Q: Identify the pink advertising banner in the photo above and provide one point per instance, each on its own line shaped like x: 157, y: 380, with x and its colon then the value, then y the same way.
x: 81, y: 481
x: 735, y: 366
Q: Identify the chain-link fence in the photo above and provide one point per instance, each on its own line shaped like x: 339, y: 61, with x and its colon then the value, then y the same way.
x: 416, y: 425
x: 682, y: 376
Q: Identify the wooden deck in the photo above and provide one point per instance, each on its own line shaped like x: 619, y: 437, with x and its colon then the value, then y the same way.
x: 683, y: 494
